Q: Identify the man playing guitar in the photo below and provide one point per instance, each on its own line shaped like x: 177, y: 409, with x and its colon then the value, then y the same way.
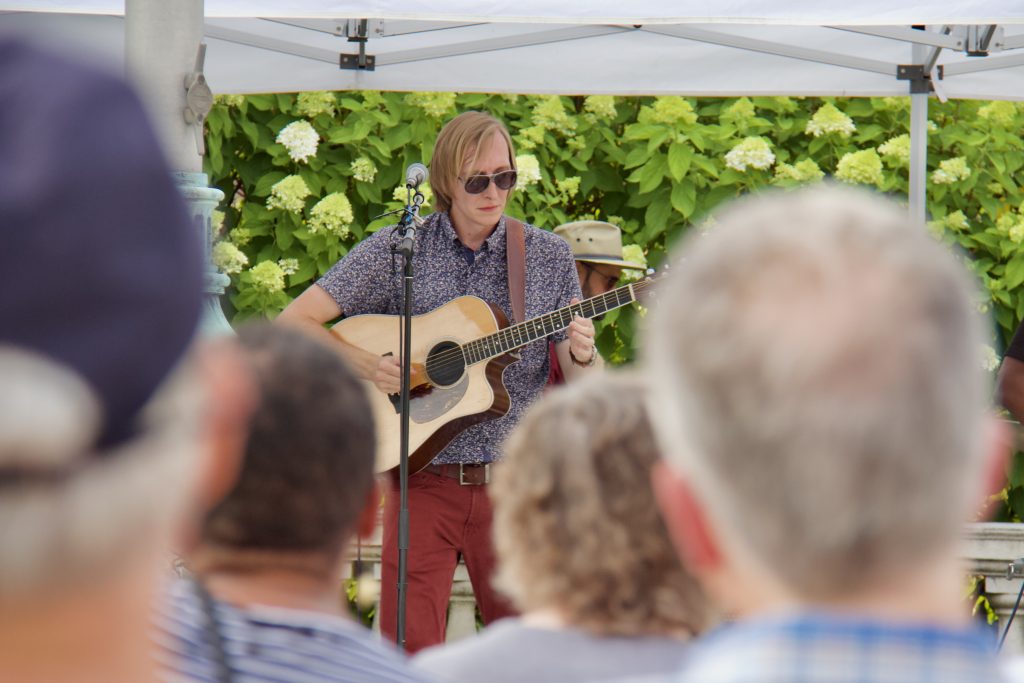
x: 461, y: 250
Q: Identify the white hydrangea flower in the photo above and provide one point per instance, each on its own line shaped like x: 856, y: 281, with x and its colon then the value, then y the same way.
x: 300, y: 139
x: 828, y: 120
x: 897, y: 149
x: 288, y: 266
x: 956, y: 221
x: 229, y: 100
x: 568, y: 187
x: 364, y: 170
x: 635, y: 254
x: 435, y: 104
x: 216, y: 221
x: 228, y: 258
x: 863, y: 167
x: 240, y: 236
x: 401, y: 194
x: 268, y: 276
x: 989, y: 358
x: 740, y: 110
x: 550, y: 114
x: 603, y: 106
x: 951, y: 171
x: 671, y: 110
x: 530, y: 137
x: 289, y: 194
x: 528, y: 168
x: 754, y: 152
x: 804, y: 171
x: 331, y: 215
x: 314, y: 103
x: 1000, y: 112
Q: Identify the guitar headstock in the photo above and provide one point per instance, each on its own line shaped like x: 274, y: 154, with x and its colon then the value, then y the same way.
x: 646, y: 286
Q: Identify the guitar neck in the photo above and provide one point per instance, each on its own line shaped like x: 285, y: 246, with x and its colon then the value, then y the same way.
x: 515, y: 336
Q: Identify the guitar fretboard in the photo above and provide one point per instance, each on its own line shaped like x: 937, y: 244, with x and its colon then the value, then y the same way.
x: 514, y: 336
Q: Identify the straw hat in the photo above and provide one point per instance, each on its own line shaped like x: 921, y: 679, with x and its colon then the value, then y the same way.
x: 596, y: 242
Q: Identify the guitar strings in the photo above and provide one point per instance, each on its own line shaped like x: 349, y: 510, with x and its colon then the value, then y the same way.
x: 451, y: 358
x: 453, y: 354
x: 540, y: 321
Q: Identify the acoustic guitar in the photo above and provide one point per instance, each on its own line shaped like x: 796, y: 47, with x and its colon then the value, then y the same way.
x: 459, y: 352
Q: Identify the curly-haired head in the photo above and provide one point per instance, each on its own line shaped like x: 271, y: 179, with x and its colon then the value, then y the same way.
x: 575, y: 524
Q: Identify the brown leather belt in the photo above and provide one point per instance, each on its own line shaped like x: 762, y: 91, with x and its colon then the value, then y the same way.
x: 468, y: 475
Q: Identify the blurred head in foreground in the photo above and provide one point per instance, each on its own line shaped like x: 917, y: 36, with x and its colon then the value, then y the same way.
x: 278, y: 538
x: 821, y: 405
x: 306, y: 483
x: 576, y: 527
x: 103, y: 412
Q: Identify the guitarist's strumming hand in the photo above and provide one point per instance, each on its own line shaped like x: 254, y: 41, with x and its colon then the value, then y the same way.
x: 388, y: 376
x: 581, y: 340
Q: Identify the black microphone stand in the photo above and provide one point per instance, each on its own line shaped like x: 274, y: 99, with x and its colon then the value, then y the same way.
x: 407, y: 228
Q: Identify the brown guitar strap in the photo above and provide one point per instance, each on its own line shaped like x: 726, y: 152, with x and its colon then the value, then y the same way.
x: 515, y: 249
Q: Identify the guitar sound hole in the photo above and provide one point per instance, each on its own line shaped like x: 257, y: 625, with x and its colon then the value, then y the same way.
x: 445, y: 364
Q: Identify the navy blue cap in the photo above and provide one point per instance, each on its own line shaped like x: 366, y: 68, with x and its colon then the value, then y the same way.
x: 100, y: 264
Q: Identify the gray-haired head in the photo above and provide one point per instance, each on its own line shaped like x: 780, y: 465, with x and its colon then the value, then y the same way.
x: 817, y: 374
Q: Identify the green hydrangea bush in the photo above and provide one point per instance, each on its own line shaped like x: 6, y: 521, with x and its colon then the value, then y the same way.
x: 307, y: 176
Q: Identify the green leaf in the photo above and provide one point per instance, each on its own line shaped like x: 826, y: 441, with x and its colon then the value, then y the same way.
x: 284, y: 234
x: 261, y: 102
x: 705, y: 164
x: 650, y: 175
x: 1016, y: 502
x: 251, y: 130
x: 1014, y: 272
x: 397, y: 137
x: 636, y: 156
x: 679, y: 158
x: 642, y: 131
x: 656, y: 217
x: 684, y: 199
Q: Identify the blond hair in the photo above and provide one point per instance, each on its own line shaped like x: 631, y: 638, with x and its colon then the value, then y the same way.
x: 817, y: 376
x: 576, y: 527
x: 459, y: 142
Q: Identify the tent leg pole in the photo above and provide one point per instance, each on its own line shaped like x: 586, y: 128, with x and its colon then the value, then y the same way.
x: 918, y: 147
x: 161, y: 42
x: 918, y: 155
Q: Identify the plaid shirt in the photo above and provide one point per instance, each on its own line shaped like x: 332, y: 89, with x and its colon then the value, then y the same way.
x: 817, y: 648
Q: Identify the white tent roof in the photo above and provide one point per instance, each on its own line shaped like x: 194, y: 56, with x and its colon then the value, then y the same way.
x: 796, y: 47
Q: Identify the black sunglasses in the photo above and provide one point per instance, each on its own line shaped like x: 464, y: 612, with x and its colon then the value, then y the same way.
x: 609, y: 280
x: 504, y: 180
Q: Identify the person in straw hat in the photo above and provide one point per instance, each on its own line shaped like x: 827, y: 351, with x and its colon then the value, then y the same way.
x: 597, y: 248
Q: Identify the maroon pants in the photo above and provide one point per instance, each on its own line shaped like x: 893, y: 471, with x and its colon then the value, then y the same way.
x: 446, y: 520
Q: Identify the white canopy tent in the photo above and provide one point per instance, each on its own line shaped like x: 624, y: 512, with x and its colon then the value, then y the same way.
x: 599, y: 46
x: 728, y: 48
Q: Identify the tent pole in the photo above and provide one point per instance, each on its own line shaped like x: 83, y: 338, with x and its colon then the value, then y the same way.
x: 918, y: 144
x: 162, y: 41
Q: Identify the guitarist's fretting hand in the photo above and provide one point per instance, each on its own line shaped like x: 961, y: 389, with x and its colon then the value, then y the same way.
x: 581, y: 338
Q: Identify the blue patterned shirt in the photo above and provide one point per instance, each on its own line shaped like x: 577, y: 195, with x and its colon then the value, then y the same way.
x: 368, y: 280
x: 819, y: 648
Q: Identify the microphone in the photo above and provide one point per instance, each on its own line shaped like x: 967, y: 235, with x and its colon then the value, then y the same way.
x: 415, y: 175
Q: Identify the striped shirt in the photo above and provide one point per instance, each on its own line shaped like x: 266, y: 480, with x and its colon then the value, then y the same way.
x: 271, y: 645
